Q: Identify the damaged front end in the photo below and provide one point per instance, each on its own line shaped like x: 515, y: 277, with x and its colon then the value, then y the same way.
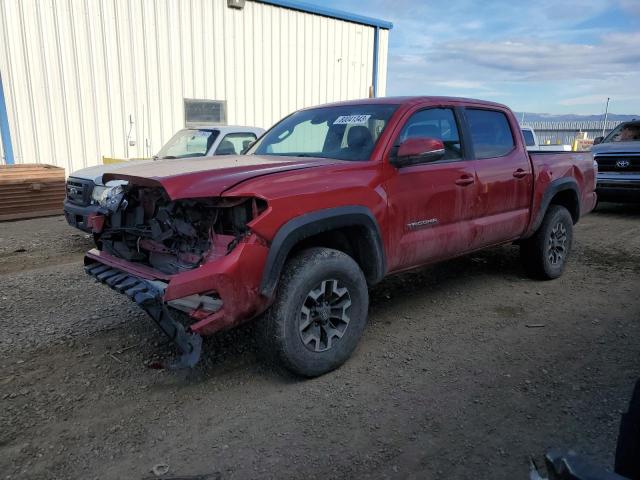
x: 145, y: 226
x: 147, y: 239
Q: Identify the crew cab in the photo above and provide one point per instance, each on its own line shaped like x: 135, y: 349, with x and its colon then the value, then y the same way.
x: 84, y: 187
x: 618, y: 157
x: 328, y: 202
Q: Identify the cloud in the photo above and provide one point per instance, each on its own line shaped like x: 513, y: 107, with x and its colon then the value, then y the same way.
x: 631, y: 6
x: 615, y: 54
x: 463, y: 84
x: 595, y: 99
x: 543, y: 55
x: 585, y: 100
x: 574, y: 74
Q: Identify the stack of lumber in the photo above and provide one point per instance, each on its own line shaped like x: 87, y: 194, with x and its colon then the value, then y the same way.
x: 30, y: 190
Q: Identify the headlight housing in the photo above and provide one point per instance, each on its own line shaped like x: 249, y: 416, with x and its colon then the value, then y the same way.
x: 97, y: 192
x: 112, y: 197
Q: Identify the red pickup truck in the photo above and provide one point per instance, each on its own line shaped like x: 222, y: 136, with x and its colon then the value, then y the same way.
x: 330, y: 200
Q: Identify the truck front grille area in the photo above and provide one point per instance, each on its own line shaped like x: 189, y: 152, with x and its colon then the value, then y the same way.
x: 79, y: 191
x: 618, y: 163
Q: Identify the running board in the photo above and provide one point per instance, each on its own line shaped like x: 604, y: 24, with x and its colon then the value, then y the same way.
x: 148, y: 295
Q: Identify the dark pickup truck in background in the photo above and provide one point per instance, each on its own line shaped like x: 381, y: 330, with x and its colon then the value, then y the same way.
x: 330, y: 200
x: 618, y: 157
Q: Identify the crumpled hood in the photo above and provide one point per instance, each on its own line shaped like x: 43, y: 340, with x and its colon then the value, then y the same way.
x: 616, y: 147
x: 95, y: 173
x: 209, y: 177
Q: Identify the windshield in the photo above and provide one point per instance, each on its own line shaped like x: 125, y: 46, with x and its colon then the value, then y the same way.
x: 625, y: 132
x: 190, y: 142
x: 347, y: 132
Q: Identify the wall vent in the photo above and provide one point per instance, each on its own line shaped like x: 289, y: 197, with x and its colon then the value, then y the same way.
x: 235, y: 4
x: 204, y: 112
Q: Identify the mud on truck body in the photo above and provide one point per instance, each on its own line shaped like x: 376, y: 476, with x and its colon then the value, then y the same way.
x: 326, y: 203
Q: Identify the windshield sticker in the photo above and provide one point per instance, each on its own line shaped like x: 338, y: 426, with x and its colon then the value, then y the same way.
x: 352, y: 119
x: 202, y: 133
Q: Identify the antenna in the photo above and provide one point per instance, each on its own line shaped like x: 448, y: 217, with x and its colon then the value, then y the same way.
x: 606, y: 112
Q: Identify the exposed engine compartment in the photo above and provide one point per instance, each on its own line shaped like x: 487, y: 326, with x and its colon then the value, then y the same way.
x: 144, y: 225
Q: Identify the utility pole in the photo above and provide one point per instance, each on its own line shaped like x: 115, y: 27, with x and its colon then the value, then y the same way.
x: 606, y: 112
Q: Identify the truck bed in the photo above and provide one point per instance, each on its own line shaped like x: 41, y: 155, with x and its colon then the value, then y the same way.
x: 557, y: 168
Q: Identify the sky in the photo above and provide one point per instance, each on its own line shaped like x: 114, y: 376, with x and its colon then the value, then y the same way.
x: 546, y: 56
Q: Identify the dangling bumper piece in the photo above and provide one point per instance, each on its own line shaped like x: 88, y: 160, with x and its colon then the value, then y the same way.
x: 148, y: 295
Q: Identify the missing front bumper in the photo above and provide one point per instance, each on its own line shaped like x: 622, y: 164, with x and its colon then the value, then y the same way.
x: 148, y: 295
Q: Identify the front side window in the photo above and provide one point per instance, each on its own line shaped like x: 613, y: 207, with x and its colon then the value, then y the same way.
x: 235, y: 143
x: 190, y: 142
x: 490, y: 133
x: 439, y: 123
x: 347, y: 132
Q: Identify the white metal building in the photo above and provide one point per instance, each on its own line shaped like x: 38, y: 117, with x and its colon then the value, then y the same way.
x: 85, y: 79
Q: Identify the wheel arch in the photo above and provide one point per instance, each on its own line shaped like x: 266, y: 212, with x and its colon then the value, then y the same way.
x: 564, y: 192
x: 365, y: 241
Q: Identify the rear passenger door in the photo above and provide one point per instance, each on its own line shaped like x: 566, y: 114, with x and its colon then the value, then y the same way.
x: 503, y: 176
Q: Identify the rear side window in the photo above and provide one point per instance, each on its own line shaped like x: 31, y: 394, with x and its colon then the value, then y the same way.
x: 490, y: 133
x: 528, y: 138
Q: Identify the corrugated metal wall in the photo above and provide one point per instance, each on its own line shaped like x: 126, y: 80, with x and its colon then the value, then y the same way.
x: 77, y: 72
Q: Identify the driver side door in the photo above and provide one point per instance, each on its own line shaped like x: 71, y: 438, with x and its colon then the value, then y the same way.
x: 431, y: 205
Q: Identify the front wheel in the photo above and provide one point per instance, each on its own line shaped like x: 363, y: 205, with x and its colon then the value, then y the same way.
x: 319, y: 313
x: 545, y: 254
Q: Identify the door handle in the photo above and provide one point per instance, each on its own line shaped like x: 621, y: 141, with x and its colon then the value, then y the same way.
x: 520, y: 173
x: 465, y: 180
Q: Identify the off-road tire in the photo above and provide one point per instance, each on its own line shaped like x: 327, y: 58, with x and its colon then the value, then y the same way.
x: 280, y: 330
x: 545, y: 254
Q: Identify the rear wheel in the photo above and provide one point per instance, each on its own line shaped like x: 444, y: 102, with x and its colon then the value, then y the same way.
x: 319, y: 313
x: 545, y: 254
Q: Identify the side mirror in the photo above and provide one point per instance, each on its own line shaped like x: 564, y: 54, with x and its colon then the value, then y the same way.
x: 598, y: 140
x: 418, y: 150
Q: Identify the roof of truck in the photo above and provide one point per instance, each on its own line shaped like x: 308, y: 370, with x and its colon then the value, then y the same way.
x: 413, y: 99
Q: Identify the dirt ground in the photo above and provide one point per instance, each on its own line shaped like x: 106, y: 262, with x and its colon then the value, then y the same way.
x: 466, y: 369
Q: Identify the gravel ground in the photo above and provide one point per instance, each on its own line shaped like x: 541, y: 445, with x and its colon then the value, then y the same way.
x: 466, y: 369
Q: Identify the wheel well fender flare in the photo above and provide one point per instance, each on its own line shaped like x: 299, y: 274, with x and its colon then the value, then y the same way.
x: 555, y: 187
x: 310, y: 224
